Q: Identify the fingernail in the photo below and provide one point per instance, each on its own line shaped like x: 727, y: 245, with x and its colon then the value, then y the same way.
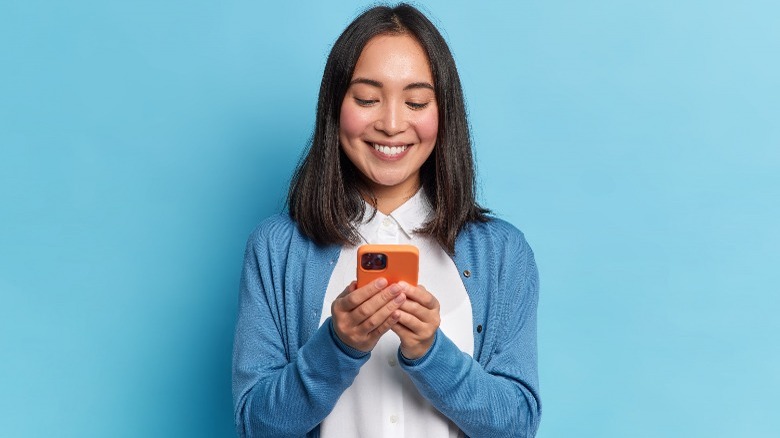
x: 400, y: 299
x: 394, y: 289
x: 381, y: 282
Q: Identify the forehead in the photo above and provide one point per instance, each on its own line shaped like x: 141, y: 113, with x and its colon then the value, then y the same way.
x: 393, y: 58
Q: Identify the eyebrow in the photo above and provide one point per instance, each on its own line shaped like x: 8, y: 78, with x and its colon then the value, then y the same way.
x: 378, y: 84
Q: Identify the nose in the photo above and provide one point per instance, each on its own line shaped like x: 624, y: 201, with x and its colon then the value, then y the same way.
x: 391, y: 120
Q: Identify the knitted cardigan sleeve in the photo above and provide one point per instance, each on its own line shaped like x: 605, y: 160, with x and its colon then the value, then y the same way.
x: 496, y: 396
x: 275, y: 392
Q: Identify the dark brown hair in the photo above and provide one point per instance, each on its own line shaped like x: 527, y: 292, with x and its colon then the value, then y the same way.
x: 325, y: 192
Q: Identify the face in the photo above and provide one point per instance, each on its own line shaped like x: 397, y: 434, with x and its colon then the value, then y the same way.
x: 389, y: 117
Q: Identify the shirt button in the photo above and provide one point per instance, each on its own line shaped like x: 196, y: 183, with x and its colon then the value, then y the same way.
x: 387, y: 222
x: 391, y: 360
x: 394, y: 418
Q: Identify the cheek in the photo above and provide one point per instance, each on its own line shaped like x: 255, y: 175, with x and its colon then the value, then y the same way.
x: 351, y: 122
x: 428, y: 127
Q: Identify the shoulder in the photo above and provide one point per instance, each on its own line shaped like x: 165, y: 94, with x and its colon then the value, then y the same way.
x: 498, y: 246
x: 274, y: 228
x: 494, y: 232
x: 272, y: 237
x: 280, y: 237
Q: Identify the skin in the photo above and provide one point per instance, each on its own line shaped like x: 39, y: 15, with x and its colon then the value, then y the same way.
x: 390, y: 102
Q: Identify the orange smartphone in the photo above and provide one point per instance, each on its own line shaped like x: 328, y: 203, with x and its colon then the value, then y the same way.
x: 394, y: 262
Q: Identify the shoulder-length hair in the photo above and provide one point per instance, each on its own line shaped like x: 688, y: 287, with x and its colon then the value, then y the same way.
x: 325, y: 192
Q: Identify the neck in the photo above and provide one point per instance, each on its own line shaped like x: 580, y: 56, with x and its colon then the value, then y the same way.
x: 390, y: 198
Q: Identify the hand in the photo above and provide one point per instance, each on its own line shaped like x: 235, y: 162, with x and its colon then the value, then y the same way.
x: 418, y: 321
x: 361, y: 316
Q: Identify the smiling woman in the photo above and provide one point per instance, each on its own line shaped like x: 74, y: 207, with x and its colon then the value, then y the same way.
x: 389, y: 118
x: 390, y: 162
x: 328, y: 193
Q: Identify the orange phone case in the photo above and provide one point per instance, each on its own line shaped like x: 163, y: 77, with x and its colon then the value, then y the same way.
x: 403, y: 263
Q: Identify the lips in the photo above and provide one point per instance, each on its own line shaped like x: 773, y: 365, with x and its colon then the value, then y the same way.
x: 390, y: 151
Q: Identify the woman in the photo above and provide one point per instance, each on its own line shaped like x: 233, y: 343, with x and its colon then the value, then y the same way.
x: 390, y: 162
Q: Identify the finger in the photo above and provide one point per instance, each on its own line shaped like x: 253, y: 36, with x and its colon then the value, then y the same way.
x: 348, y: 290
x: 412, y: 323
x: 355, y: 298
x: 421, y: 295
x: 419, y: 318
x: 416, y: 309
x: 401, y: 330
x: 379, y: 300
x: 378, y: 316
x: 386, y: 325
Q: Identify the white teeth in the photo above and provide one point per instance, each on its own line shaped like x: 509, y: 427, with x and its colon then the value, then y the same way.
x: 389, y: 150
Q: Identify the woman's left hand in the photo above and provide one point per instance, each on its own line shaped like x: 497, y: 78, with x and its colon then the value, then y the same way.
x: 418, y: 322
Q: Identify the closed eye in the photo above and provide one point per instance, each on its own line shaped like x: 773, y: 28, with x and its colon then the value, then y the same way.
x: 417, y: 106
x: 365, y: 102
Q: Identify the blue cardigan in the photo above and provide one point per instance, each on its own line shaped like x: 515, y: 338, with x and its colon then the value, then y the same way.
x: 288, y: 372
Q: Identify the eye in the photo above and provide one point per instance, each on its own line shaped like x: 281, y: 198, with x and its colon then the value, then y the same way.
x: 365, y: 102
x: 417, y: 106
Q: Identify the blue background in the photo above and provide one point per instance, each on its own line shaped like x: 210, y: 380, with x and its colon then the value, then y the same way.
x: 637, y: 144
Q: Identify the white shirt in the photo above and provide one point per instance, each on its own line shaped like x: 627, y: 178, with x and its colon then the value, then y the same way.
x: 382, y: 401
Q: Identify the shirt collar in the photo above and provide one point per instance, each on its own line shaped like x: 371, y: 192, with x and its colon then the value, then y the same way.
x: 410, y: 216
x: 413, y: 214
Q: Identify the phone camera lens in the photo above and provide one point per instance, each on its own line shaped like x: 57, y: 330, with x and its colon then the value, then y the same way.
x: 373, y: 261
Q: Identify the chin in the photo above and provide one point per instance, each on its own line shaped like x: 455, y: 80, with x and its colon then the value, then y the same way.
x: 391, y: 180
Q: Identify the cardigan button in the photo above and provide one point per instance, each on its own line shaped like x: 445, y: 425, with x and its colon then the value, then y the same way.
x: 467, y: 273
x: 479, y: 328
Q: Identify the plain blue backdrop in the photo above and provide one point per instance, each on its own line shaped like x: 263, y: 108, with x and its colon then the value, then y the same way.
x: 637, y: 144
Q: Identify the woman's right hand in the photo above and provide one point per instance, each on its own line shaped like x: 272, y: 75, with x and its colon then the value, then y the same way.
x: 362, y: 315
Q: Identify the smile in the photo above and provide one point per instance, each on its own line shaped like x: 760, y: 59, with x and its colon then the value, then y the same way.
x: 390, y: 151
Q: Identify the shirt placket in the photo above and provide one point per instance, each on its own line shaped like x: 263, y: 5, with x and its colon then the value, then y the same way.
x: 388, y: 232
